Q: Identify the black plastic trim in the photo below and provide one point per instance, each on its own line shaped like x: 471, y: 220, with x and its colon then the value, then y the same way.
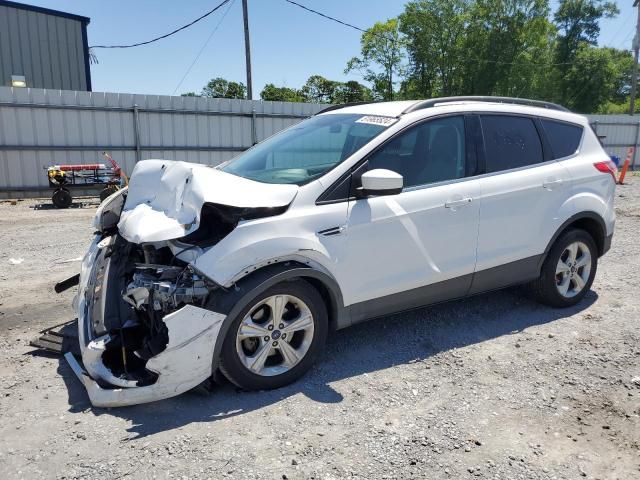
x: 362, y: 193
x: 496, y: 278
x: 607, y: 244
x: 575, y: 218
x: 411, y: 299
x: 342, y: 105
x: 513, y: 273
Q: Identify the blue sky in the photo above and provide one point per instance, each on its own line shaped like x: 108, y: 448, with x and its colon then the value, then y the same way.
x: 288, y: 43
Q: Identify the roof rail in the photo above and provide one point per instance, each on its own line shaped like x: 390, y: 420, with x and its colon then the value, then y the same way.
x: 341, y: 105
x: 516, y: 101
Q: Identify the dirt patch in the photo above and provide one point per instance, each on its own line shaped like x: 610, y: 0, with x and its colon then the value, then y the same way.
x: 491, y: 387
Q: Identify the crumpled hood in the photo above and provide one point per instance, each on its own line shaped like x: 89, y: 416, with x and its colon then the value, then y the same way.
x: 165, y: 198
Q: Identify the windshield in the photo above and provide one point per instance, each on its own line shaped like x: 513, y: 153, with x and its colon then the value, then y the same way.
x: 307, y: 150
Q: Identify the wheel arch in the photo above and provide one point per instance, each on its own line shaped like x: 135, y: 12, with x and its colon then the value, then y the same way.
x: 231, y: 301
x: 591, y: 222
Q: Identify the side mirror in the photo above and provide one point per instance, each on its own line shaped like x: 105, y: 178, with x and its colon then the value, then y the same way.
x: 381, y: 182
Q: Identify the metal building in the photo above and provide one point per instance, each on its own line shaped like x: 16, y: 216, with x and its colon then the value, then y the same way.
x: 43, y: 48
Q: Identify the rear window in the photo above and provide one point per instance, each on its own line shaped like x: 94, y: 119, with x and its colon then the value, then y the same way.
x: 564, y: 137
x: 510, y: 142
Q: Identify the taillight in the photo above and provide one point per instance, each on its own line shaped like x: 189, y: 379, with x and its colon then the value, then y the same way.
x: 607, y: 167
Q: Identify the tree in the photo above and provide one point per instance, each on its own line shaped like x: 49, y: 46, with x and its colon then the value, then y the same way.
x: 434, y: 30
x: 597, y: 77
x: 221, y: 88
x: 484, y: 47
x: 578, y: 23
x: 319, y: 89
x: 281, y: 94
x: 189, y: 94
x: 506, y: 40
x: 350, y: 92
x: 382, y: 53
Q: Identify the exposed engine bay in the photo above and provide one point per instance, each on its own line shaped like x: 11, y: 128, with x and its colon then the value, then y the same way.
x: 153, y: 284
x: 148, y: 318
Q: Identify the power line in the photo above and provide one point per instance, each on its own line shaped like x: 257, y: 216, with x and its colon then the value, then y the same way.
x: 477, y: 60
x: 168, y: 34
x: 333, y: 19
x: 195, y: 60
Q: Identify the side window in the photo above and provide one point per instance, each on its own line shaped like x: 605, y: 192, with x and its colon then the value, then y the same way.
x: 510, y: 142
x: 433, y: 151
x: 563, y: 137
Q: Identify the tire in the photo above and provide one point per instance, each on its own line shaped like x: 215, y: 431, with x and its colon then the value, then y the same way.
x: 62, y: 198
x: 297, y: 299
x: 107, y: 192
x: 572, y: 277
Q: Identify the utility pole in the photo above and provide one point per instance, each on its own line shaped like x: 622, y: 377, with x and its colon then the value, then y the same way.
x: 247, y: 48
x: 636, y: 48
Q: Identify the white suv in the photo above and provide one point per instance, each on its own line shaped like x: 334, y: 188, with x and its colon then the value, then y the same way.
x: 355, y: 213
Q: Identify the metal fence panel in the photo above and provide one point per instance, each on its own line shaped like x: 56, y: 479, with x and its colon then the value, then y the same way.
x: 40, y: 127
x: 618, y: 133
x: 47, y: 127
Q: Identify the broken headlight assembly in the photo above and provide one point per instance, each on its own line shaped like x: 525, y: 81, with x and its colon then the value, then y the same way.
x: 108, y: 213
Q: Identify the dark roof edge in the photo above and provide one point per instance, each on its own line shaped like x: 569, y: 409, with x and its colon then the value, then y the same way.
x: 47, y: 11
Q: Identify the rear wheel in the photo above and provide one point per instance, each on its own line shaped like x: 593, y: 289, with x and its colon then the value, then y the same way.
x: 568, y: 271
x: 61, y: 198
x: 276, y: 339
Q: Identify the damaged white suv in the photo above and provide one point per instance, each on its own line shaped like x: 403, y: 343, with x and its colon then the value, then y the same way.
x: 358, y: 212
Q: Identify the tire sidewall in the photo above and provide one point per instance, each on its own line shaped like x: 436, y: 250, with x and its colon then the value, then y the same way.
x: 233, y: 367
x: 549, y: 269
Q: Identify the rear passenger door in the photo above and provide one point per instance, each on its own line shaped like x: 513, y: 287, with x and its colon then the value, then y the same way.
x: 523, y: 192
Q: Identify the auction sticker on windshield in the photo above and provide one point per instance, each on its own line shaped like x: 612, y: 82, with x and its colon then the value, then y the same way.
x: 377, y: 120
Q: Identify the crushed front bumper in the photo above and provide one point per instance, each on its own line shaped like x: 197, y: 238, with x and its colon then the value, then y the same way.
x: 185, y: 362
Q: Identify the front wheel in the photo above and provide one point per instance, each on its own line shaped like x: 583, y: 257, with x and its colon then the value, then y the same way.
x: 568, y: 271
x: 276, y: 339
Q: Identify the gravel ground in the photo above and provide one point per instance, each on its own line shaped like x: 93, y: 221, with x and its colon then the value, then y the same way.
x: 491, y: 387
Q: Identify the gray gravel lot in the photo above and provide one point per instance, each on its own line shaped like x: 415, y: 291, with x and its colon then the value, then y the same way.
x: 491, y: 387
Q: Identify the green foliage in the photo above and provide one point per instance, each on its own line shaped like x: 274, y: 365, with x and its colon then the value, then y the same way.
x: 506, y: 47
x: 350, y: 92
x: 221, y: 88
x: 189, y: 94
x: 382, y: 46
x: 319, y: 89
x: 281, y: 94
x: 596, y: 76
x: 513, y: 48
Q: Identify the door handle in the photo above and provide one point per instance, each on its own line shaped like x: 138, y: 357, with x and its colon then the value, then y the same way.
x: 458, y: 202
x: 549, y: 184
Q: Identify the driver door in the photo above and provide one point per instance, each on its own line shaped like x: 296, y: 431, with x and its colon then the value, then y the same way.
x: 419, y: 246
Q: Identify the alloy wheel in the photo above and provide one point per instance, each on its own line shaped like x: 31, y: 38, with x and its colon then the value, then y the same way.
x: 573, y: 269
x: 275, y: 335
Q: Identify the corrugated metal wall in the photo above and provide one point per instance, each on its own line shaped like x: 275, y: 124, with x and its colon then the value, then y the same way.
x: 39, y: 128
x: 49, y: 50
x: 618, y: 133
